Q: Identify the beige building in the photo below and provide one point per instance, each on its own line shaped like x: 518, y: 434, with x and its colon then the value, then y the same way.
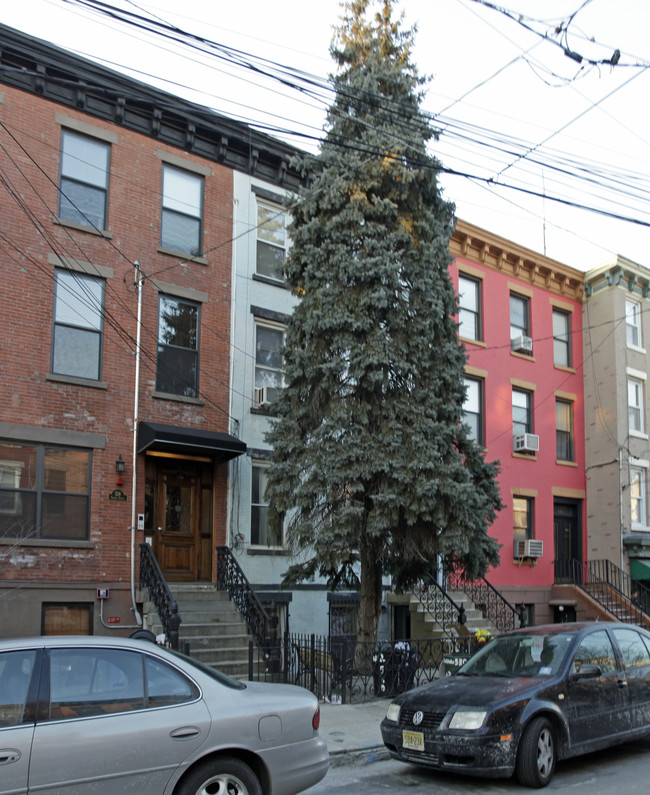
x: 616, y: 324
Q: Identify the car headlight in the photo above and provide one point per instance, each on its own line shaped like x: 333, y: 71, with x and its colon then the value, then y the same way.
x: 467, y: 719
x: 392, y: 713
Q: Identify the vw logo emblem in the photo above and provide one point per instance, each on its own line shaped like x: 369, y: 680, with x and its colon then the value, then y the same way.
x: 418, y: 718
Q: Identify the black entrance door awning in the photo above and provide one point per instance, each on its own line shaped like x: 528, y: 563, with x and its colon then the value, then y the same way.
x: 194, y: 441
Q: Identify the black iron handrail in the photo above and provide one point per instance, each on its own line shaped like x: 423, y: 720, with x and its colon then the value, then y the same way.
x: 151, y: 578
x: 437, y: 602
x: 609, y: 586
x: 262, y: 626
x: 486, y: 598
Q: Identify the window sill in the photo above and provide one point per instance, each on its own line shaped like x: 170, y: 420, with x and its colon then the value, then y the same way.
x: 46, y: 542
x: 84, y: 228
x: 561, y: 463
x: 71, y: 379
x: 170, y: 252
x: 638, y: 434
x: 178, y: 398
x: 565, y: 369
x: 268, y: 551
x: 525, y: 356
x: 524, y: 456
x: 258, y: 277
x: 469, y: 341
x: 637, y: 349
x: 263, y: 412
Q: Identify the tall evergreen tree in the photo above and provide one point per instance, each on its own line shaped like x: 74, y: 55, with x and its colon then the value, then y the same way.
x: 372, y: 464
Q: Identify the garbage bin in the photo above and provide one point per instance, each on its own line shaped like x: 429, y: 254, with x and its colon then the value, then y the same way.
x: 393, y: 669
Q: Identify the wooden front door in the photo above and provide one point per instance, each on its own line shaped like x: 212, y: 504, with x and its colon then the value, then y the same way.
x: 568, y: 541
x: 178, y: 523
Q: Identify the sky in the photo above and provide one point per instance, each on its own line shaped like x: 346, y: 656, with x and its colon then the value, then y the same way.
x: 544, y: 130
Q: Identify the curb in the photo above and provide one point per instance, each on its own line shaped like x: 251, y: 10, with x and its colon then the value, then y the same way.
x: 359, y: 756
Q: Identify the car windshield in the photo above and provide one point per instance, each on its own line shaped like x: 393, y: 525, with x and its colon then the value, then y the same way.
x: 520, y: 655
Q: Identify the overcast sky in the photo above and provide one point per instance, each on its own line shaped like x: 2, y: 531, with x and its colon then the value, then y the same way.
x: 529, y: 107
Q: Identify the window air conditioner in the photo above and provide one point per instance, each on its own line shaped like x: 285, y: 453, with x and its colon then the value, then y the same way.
x: 522, y: 344
x: 530, y: 548
x: 265, y: 395
x: 526, y: 443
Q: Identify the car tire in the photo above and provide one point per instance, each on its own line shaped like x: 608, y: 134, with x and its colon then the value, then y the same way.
x: 536, y: 755
x: 226, y: 774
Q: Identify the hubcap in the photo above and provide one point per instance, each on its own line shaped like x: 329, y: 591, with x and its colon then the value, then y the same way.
x: 223, y: 784
x: 545, y: 753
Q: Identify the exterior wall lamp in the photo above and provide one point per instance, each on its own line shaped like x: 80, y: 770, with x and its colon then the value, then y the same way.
x: 119, y: 469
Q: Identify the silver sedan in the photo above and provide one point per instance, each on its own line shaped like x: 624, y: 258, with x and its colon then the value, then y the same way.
x: 81, y: 715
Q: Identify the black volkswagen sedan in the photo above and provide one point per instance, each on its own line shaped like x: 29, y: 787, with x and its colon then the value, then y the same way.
x: 526, y: 699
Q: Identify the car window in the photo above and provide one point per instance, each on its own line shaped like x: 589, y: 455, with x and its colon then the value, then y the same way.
x: 166, y: 686
x: 633, y: 649
x: 86, y: 682
x: 15, y: 675
x: 595, y: 649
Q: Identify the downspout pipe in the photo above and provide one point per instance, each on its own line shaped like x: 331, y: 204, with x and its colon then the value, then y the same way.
x: 139, y: 279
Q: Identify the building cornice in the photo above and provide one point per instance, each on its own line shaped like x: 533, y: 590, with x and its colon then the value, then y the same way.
x: 487, y: 250
x: 619, y: 272
x: 42, y: 69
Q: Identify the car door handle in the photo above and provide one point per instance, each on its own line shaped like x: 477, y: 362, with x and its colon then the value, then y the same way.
x: 8, y: 755
x: 622, y: 682
x: 185, y: 732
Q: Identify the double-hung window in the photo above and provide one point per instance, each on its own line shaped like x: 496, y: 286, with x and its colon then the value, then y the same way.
x: 469, y: 308
x: 269, y: 362
x: 44, y: 491
x: 520, y: 337
x: 177, y: 371
x: 260, y: 533
x: 635, y: 405
x: 182, y: 211
x: 271, y: 241
x: 633, y: 324
x: 83, y: 196
x: 522, y: 518
x: 638, y: 506
x: 473, y: 408
x: 522, y: 412
x: 564, y: 430
x: 561, y: 338
x: 78, y: 325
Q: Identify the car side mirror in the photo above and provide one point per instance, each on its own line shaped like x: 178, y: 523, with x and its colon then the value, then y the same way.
x: 588, y: 671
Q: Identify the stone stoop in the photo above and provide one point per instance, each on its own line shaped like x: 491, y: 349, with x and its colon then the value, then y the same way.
x: 432, y: 628
x: 211, y: 625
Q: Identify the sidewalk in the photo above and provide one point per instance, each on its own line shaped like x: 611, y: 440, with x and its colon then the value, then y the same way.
x: 352, y: 731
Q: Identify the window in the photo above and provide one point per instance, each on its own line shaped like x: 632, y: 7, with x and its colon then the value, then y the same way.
x: 633, y: 323
x: 519, y: 316
x: 269, y: 362
x: 83, y: 197
x: 78, y: 325
x: 635, y: 405
x: 182, y: 211
x: 178, y: 347
x: 473, y: 408
x: 562, y: 338
x: 271, y: 241
x: 167, y: 686
x: 564, y: 430
x: 469, y: 308
x: 522, y: 518
x: 522, y: 412
x: 638, y: 507
x: 50, y: 496
x: 16, y: 669
x: 633, y: 649
x: 596, y: 649
x: 260, y: 534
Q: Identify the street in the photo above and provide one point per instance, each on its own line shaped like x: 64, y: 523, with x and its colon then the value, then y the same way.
x: 602, y: 773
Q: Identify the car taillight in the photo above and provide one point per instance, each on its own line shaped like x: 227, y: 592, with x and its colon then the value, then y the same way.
x: 315, y: 721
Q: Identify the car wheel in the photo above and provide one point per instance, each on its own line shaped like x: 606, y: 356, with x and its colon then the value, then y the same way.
x: 536, y: 755
x: 226, y: 776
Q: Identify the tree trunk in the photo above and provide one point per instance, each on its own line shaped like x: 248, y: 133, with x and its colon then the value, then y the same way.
x: 370, y: 603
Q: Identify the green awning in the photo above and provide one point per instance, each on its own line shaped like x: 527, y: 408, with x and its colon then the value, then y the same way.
x: 640, y: 569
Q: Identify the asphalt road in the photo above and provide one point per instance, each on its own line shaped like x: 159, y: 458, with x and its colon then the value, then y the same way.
x: 623, y: 769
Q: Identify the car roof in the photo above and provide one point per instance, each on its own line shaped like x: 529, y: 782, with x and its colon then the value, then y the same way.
x: 61, y: 641
x: 577, y: 626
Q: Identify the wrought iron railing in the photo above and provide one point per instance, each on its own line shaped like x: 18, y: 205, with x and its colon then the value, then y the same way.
x: 493, y: 604
x: 609, y: 586
x: 263, y: 628
x: 439, y: 604
x: 151, y: 578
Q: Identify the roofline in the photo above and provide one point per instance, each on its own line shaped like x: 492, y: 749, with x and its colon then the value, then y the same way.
x: 43, y: 69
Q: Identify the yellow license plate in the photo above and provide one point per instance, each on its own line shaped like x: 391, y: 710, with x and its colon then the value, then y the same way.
x: 414, y: 741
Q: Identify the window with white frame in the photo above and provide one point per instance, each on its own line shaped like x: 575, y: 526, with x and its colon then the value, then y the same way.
x: 473, y: 408
x: 635, y: 405
x: 182, y: 211
x: 269, y: 362
x: 83, y: 196
x: 78, y: 325
x: 561, y: 338
x: 638, y: 505
x: 271, y: 241
x: 633, y: 324
x: 177, y: 370
x: 469, y: 308
x: 260, y: 533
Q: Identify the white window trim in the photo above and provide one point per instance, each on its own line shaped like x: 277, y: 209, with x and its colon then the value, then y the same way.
x: 640, y: 465
x: 260, y: 463
x: 638, y: 326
